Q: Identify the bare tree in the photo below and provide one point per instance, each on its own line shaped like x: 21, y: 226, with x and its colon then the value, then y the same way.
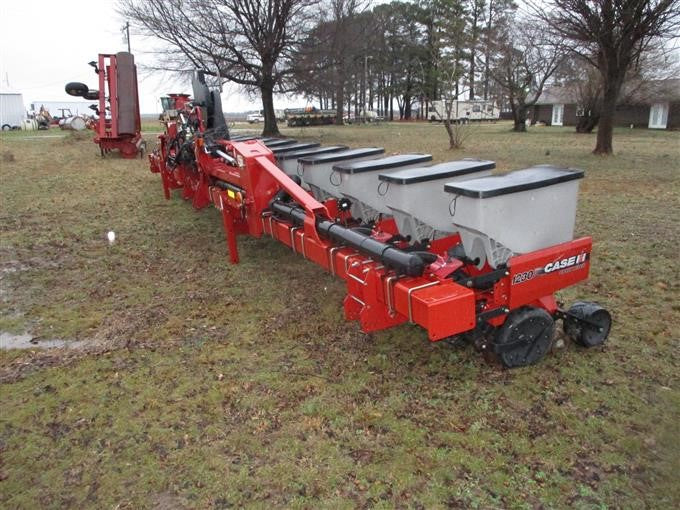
x: 449, y: 74
x: 248, y: 42
x: 524, y: 61
x: 611, y: 35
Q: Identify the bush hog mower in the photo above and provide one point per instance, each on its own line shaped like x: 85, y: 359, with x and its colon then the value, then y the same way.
x: 119, y: 125
x: 463, y: 253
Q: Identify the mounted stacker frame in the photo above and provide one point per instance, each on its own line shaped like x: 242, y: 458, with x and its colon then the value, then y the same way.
x: 118, y: 126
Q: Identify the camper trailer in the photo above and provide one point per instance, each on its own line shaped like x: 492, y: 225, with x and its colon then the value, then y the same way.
x: 476, y: 110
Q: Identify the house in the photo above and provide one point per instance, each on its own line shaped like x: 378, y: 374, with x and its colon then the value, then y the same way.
x: 654, y: 104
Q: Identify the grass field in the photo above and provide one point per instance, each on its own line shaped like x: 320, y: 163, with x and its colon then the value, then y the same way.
x: 198, y: 384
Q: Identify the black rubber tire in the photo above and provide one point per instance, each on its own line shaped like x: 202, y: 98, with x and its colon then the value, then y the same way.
x: 91, y: 95
x: 533, y: 329
x: 76, y: 89
x: 585, y: 334
x: 6, y: 127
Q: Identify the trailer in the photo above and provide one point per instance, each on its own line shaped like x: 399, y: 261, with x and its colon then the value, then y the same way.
x: 489, y: 275
x: 463, y: 112
x: 309, y: 116
x: 12, y: 111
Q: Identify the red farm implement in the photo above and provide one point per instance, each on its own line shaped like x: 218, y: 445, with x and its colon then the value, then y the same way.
x: 461, y: 252
x: 118, y: 125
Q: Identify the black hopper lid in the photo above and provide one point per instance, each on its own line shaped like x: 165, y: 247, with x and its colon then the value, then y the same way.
x: 386, y: 163
x: 320, y: 159
x: 513, y: 182
x: 450, y: 169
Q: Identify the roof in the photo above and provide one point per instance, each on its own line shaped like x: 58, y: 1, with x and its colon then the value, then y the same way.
x: 634, y: 92
x: 558, y: 95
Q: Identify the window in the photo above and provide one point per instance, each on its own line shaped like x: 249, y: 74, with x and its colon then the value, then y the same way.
x: 476, y: 108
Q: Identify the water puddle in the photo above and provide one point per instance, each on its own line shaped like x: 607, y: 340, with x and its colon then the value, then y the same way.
x: 26, y: 341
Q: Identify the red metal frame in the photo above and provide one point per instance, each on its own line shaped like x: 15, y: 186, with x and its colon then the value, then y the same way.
x: 377, y: 297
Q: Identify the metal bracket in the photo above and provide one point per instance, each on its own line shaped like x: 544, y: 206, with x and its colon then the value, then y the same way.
x: 390, y: 292
x: 292, y: 237
x: 490, y: 314
x: 410, y: 291
x: 331, y: 258
x: 563, y: 314
x: 484, y: 281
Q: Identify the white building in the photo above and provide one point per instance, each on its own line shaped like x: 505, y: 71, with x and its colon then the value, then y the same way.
x: 12, y: 110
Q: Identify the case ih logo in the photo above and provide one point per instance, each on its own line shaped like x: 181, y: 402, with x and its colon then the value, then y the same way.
x: 565, y: 263
x: 562, y: 265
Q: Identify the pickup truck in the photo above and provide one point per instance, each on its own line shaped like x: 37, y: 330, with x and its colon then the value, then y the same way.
x: 254, y: 118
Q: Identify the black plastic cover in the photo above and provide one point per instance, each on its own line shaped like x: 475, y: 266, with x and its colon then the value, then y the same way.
x: 294, y: 147
x: 320, y: 159
x: 446, y: 170
x: 513, y: 182
x: 310, y: 152
x: 382, y: 164
x: 278, y: 142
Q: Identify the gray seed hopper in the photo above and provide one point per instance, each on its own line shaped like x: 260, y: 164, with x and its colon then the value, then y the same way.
x: 417, y: 200
x: 518, y: 212
x: 359, y: 182
x: 289, y: 161
x: 317, y: 170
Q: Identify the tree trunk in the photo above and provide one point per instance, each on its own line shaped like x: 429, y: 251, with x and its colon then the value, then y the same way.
x: 487, y: 50
x: 340, y: 103
x: 407, y: 107
x: 520, y: 117
x: 587, y: 123
x: 449, y: 131
x: 270, y: 126
x: 605, y: 128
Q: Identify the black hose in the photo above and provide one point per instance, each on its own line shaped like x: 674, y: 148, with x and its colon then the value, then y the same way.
x: 411, y: 264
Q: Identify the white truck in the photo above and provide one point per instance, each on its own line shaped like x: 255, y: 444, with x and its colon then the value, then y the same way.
x: 255, y: 118
x: 474, y: 110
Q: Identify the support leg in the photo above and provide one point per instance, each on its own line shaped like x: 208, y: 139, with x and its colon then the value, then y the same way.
x: 230, y: 231
x: 166, y: 185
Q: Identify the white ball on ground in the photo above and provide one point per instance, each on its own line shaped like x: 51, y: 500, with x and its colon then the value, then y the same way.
x: 111, y: 236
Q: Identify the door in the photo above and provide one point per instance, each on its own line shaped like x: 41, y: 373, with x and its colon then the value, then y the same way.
x: 658, y: 116
x: 557, y: 114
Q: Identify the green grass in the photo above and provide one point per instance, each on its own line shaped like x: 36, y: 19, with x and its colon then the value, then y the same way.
x: 211, y: 385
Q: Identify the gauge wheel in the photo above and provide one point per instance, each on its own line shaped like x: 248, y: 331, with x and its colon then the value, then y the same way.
x: 525, y: 337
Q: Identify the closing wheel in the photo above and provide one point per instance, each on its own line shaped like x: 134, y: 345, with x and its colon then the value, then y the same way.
x: 525, y: 337
x: 587, y: 324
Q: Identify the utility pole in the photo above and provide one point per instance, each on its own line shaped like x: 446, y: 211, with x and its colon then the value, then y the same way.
x: 127, y: 34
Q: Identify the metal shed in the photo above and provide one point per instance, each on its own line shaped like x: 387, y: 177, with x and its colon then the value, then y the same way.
x: 12, y: 111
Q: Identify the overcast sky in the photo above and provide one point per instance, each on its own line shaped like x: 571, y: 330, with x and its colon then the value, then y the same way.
x: 46, y: 43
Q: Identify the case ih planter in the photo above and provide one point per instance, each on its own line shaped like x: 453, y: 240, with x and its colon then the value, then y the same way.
x: 451, y: 287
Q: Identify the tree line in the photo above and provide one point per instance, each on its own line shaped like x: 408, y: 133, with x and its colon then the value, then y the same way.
x: 396, y: 58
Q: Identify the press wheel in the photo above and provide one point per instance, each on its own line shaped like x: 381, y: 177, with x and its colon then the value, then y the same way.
x: 587, y: 324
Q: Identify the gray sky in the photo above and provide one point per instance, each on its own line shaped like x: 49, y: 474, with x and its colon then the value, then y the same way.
x: 46, y: 43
